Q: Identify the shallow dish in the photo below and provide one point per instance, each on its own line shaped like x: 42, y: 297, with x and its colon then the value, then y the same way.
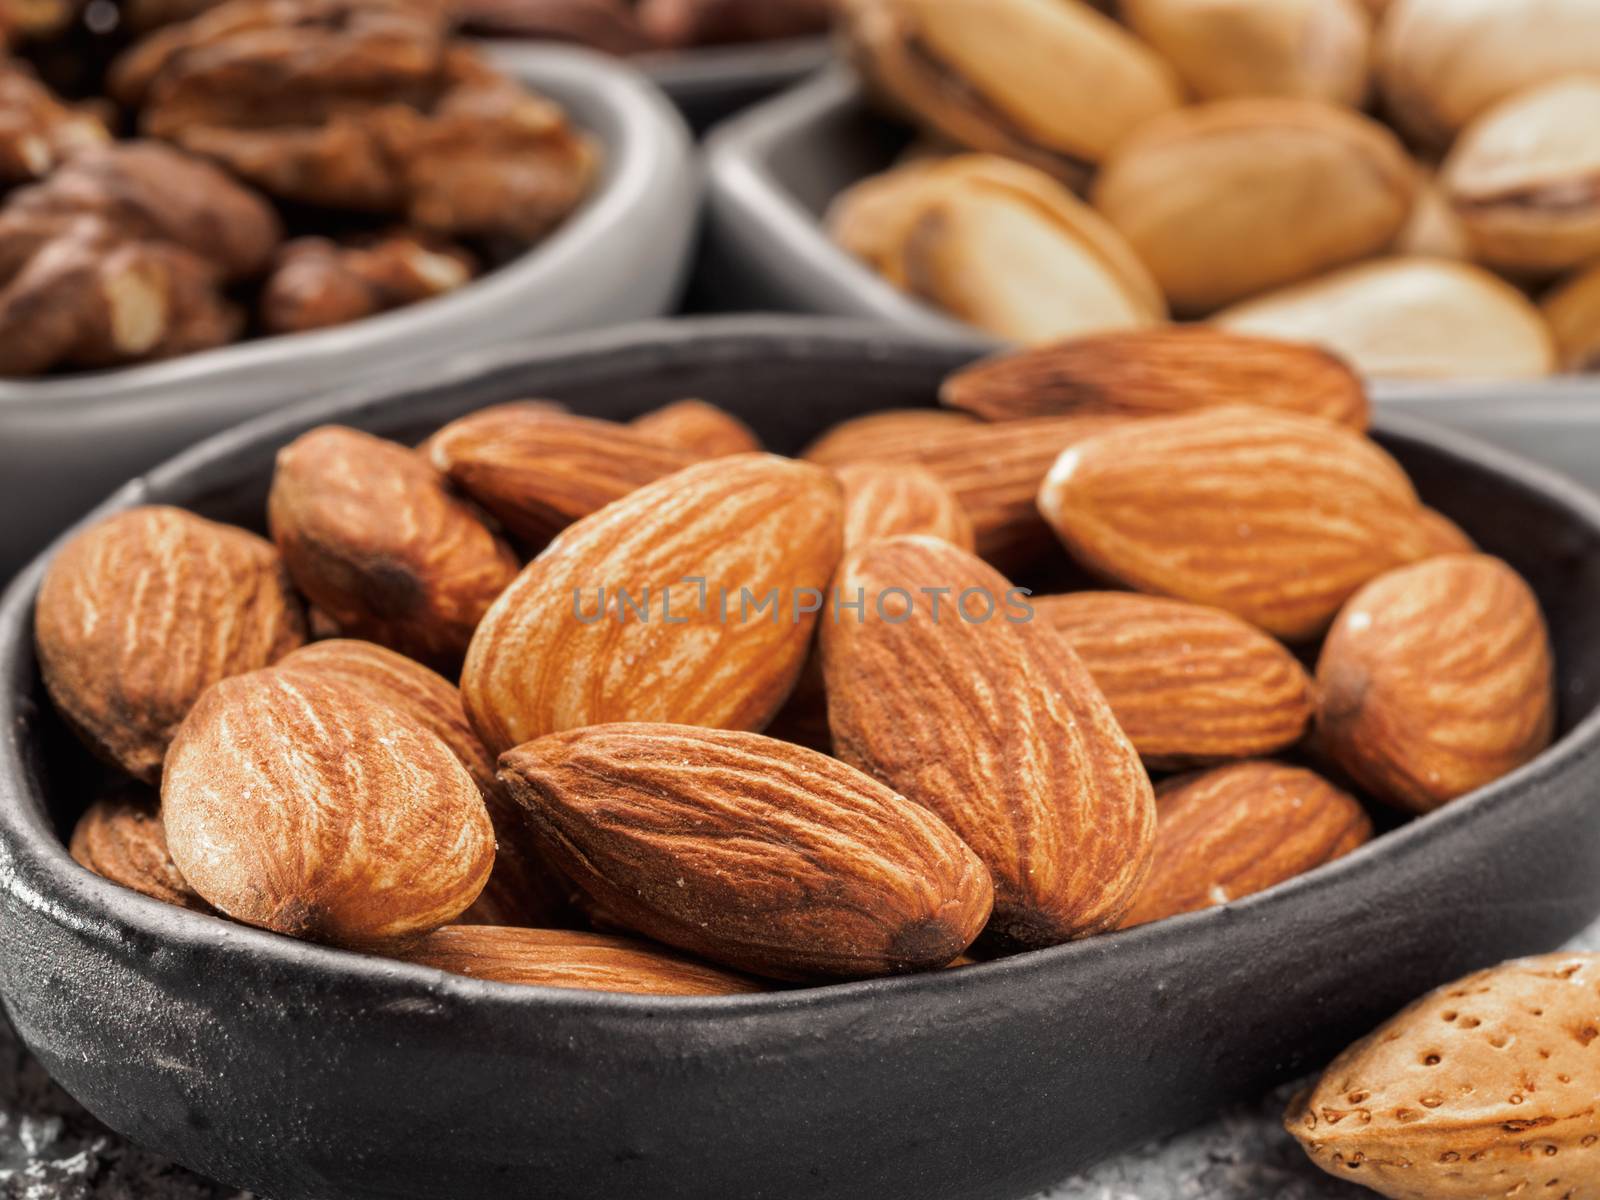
x: 311, y: 1074
x: 65, y: 443
x: 772, y: 172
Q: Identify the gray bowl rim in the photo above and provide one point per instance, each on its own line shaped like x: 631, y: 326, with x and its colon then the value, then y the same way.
x: 37, y: 871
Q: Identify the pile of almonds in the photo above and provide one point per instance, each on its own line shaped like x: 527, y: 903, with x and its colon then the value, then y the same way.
x: 1410, y: 183
x: 745, y: 719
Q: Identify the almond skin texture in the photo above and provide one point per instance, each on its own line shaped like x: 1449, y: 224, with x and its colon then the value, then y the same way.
x: 751, y: 852
x: 142, y: 612
x: 372, y: 535
x: 293, y: 804
x: 1189, y: 684
x: 702, y: 429
x: 1483, y: 1088
x: 537, y: 470
x: 1436, y: 680
x: 887, y: 436
x: 546, y: 658
x: 120, y: 838
x: 885, y: 499
x: 996, y: 726
x: 592, y: 962
x: 1274, y: 517
x: 1160, y: 372
x: 1232, y: 831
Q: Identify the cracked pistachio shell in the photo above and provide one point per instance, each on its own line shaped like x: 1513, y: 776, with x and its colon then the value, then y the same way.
x: 1442, y: 62
x: 1524, y: 179
x: 1228, y: 199
x: 1409, y: 318
x: 1312, y: 49
x: 1051, y: 82
x: 1573, y: 310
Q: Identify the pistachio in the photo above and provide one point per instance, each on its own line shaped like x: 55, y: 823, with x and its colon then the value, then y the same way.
x: 1433, y: 230
x: 1573, y: 310
x: 1051, y: 82
x: 1410, y: 317
x: 1525, y: 179
x: 1228, y: 199
x: 1442, y: 62
x: 1311, y: 49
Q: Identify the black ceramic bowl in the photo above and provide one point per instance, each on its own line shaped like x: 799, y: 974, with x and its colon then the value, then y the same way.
x: 312, y: 1074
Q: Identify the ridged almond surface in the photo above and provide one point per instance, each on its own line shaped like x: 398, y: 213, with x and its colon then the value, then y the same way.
x: 293, y: 804
x: 591, y: 962
x: 751, y: 852
x: 1160, y: 372
x: 885, y: 436
x: 537, y: 470
x: 1232, y: 831
x: 996, y: 726
x: 547, y: 657
x: 1436, y: 680
x: 1274, y: 517
x: 142, y: 612
x: 120, y: 838
x: 889, y: 499
x: 702, y: 429
x: 374, y: 537
x: 1484, y: 1088
x: 1188, y: 684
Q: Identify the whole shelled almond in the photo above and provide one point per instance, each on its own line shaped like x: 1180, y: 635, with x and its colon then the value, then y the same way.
x: 1232, y: 831
x: 1274, y: 517
x: 889, y: 499
x: 885, y: 436
x: 751, y: 852
x: 701, y: 429
x: 537, y: 470
x: 677, y: 634
x: 1436, y: 680
x: 1159, y: 372
x: 1188, y: 684
x: 142, y: 612
x: 994, y: 725
x: 292, y: 803
x: 1483, y: 1088
x: 372, y: 535
x: 120, y: 838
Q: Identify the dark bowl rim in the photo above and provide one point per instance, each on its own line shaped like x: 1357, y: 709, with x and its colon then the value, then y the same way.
x: 37, y: 871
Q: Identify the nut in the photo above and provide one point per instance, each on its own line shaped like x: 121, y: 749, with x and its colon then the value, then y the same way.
x: 120, y: 838
x: 1434, y: 230
x: 1483, y: 1088
x: 701, y: 429
x: 891, y: 499
x: 751, y: 852
x: 1436, y: 680
x: 142, y: 612
x: 318, y: 283
x: 292, y: 803
x: 37, y: 131
x: 995, y: 726
x: 1233, y: 831
x: 608, y: 25
x: 883, y: 436
x: 714, y: 22
x: 1573, y: 310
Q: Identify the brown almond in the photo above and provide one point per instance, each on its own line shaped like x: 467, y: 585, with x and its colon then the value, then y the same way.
x: 121, y: 838
x: 886, y: 436
x: 751, y: 852
x: 702, y: 429
x: 885, y: 499
x: 994, y: 725
x: 142, y: 612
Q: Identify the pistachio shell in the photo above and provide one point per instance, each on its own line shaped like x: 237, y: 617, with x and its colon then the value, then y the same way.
x: 1410, y: 318
x: 1228, y: 199
x: 1525, y: 179
x: 1573, y: 311
x: 1434, y: 230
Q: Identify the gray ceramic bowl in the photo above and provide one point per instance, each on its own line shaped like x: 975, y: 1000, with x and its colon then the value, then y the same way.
x: 65, y: 443
x: 772, y: 172
x: 311, y: 1074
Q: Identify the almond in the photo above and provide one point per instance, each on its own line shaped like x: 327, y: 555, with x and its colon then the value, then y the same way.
x: 1232, y: 831
x: 945, y: 693
x: 1274, y: 517
x: 142, y: 612
x: 887, y: 436
x: 647, y: 610
x: 537, y: 470
x: 1444, y: 536
x: 1160, y: 372
x: 121, y: 838
x: 702, y: 429
x: 1188, y: 684
x: 1436, y: 680
x: 293, y: 804
x: 593, y: 962
x: 751, y: 852
x: 374, y: 538
x: 886, y: 499
x: 1485, y: 1087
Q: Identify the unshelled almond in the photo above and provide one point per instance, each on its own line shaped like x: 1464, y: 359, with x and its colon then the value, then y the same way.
x: 943, y: 691
x: 142, y: 612
x: 701, y: 429
x: 891, y: 499
x: 751, y: 852
x: 121, y: 838
x: 1436, y: 680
